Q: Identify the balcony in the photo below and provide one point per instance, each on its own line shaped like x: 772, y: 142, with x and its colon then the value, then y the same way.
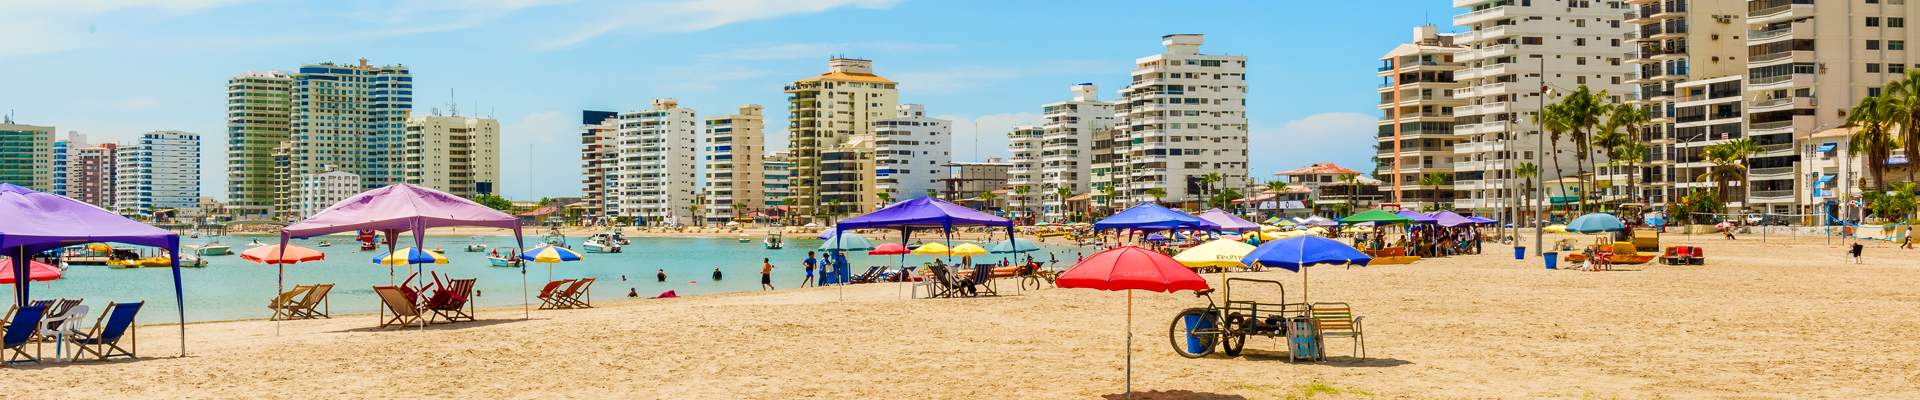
x: 1490, y: 90
x: 1783, y: 103
x: 1779, y: 82
x: 1764, y: 37
x: 1783, y: 10
x: 1471, y: 18
x: 1771, y: 196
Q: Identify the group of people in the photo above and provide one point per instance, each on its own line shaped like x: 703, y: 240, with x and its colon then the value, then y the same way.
x: 1427, y: 241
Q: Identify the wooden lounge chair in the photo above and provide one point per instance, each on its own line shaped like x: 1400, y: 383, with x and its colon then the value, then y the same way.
x: 404, y: 311
x: 578, y: 298
x: 315, y: 304
x: 103, y: 340
x: 16, y: 308
x: 1337, y: 320
x: 933, y: 282
x: 981, y: 280
x: 26, y: 324
x: 284, y: 304
x: 453, y: 303
x: 867, y: 277
x: 549, y: 299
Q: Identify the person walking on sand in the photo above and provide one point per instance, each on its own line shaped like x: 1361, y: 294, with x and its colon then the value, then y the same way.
x: 1729, y: 232
x: 1855, y: 252
x: 662, y: 275
x: 808, y: 264
x: 766, y: 274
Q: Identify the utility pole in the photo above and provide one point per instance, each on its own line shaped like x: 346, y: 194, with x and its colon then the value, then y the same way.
x: 1540, y: 120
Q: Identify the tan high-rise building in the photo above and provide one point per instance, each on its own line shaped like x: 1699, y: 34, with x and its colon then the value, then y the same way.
x: 26, y: 156
x: 826, y: 114
x: 1416, y: 123
x: 735, y: 149
x: 457, y: 155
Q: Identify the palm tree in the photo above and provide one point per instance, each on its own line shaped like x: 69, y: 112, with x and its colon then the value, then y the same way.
x: 1633, y: 153
x: 1353, y: 187
x: 1558, y: 122
x: 833, y: 209
x: 1206, y: 185
x: 1435, y: 179
x: 885, y: 198
x: 1021, y: 193
x: 1729, y: 165
x: 1063, y: 193
x: 1904, y: 96
x: 1522, y: 172
x: 788, y: 214
x: 987, y: 199
x: 935, y: 194
x: 1876, y: 118
x: 1585, y: 110
x: 1157, y: 193
x: 739, y: 209
x: 1108, y: 191
x: 694, y: 212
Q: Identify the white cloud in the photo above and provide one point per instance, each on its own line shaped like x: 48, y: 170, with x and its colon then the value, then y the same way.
x: 96, y: 6
x: 696, y: 15
x: 991, y: 140
x: 540, y: 127
x: 137, y: 103
x: 1344, y: 138
x: 812, y: 50
x: 959, y: 78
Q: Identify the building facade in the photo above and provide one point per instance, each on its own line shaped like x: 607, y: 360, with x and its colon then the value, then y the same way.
x: 909, y: 153
x: 659, y: 150
x: 91, y: 174
x: 776, y: 183
x: 735, y: 157
x: 26, y: 156
x: 1416, y: 136
x: 63, y: 152
x: 969, y: 179
x: 1066, y: 147
x: 161, y: 171
x: 827, y: 114
x: 259, y: 107
x: 457, y: 155
x: 322, y: 190
x: 1688, y: 60
x: 599, y: 159
x: 1184, y: 117
x: 350, y: 115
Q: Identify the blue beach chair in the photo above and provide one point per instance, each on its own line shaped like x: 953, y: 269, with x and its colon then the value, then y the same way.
x: 105, y: 336
x: 26, y: 322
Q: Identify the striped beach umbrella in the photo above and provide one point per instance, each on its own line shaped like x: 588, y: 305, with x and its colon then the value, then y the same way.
x: 410, y: 255
x: 550, y: 255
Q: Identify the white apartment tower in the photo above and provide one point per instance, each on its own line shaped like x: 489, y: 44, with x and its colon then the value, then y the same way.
x: 162, y: 171
x: 1066, y: 146
x: 1416, y: 133
x: 1514, y: 47
x: 658, y: 161
x: 735, y: 149
x: 827, y: 113
x: 258, y: 115
x: 909, y: 153
x: 322, y: 190
x: 599, y: 160
x: 63, y: 152
x: 457, y: 155
x: 1689, y: 61
x: 775, y: 181
x: 1184, y: 117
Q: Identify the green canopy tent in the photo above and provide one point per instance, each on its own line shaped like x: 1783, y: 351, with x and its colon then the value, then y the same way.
x: 1377, y: 217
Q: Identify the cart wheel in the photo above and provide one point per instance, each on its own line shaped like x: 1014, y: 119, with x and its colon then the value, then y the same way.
x: 1193, y: 332
x: 1235, y: 338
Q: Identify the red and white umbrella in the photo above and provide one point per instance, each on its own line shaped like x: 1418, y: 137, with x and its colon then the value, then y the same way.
x: 36, y: 271
x: 1131, y: 268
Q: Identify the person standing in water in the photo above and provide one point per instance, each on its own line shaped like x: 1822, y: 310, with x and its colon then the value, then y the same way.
x: 766, y: 274
x: 809, y: 264
x: 716, y: 273
x: 662, y: 275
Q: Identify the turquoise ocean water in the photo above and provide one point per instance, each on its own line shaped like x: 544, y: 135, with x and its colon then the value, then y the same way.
x: 231, y: 288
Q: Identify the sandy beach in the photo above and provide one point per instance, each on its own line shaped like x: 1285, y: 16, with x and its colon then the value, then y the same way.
x: 1790, y: 319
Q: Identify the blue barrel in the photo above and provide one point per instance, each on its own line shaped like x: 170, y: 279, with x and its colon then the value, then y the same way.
x: 1553, y: 259
x: 1519, y: 253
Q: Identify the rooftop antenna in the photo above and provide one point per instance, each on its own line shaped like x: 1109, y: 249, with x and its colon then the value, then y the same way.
x: 453, y: 105
x: 9, y: 118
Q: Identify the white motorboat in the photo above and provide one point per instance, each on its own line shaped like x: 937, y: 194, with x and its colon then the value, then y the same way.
x: 476, y: 248
x: 511, y: 259
x: 601, y: 243
x: 214, y: 248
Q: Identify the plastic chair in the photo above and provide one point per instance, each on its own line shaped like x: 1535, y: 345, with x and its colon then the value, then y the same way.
x: 59, y: 327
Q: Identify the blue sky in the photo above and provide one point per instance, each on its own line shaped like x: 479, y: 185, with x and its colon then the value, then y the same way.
x: 113, y: 69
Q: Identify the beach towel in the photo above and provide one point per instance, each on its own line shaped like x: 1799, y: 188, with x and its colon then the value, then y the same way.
x: 668, y: 295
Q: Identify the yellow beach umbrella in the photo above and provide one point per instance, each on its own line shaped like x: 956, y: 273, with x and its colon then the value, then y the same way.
x: 933, y: 249
x: 1557, y: 228
x: 1219, y: 254
x: 969, y: 249
x: 409, y: 255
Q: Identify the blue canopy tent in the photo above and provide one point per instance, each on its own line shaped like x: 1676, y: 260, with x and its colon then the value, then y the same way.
x: 38, y: 222
x: 1152, y: 217
x: 921, y: 213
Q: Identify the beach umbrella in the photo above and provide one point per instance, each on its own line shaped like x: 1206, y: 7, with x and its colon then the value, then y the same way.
x: 1223, y: 253
x: 1557, y: 228
x: 1596, y: 223
x: 1374, y: 216
x: 1479, y: 220
x: 1014, y: 246
x: 1297, y: 253
x: 1156, y: 236
x: 550, y: 255
x: 1449, y: 219
x: 846, y: 241
x: 408, y: 256
x: 888, y: 249
x: 1131, y: 268
x: 36, y: 271
x: 933, y: 249
x: 275, y: 254
x: 1415, y: 216
x: 1723, y: 224
x: 969, y: 249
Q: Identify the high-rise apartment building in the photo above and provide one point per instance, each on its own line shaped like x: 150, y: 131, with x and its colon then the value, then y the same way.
x: 1024, y: 144
x: 1512, y: 51
x: 352, y: 116
x: 457, y: 155
x: 26, y: 156
x: 826, y: 114
x: 63, y: 152
x: 322, y: 190
x: 1688, y: 59
x: 659, y: 151
x: 599, y: 160
x: 735, y: 149
x: 1416, y: 127
x: 1066, y: 146
x: 776, y: 180
x: 160, y: 171
x: 910, y: 152
x: 1184, y: 117
x: 91, y: 174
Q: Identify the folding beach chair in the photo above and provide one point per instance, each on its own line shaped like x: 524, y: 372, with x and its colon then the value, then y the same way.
x: 549, y: 299
x: 404, y: 311
x: 310, y: 306
x: 448, y: 304
x: 283, y: 306
x: 103, y: 340
x: 577, y: 297
x: 16, y: 308
x: 1337, y: 320
x: 980, y: 281
x: 26, y: 323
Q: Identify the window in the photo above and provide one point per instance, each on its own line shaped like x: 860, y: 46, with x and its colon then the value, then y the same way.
x: 1579, y: 23
x: 1530, y: 40
x: 1582, y: 79
x: 1873, y: 91
x: 1896, y: 45
x: 1896, y: 22
x: 1873, y: 21
x: 1614, y: 61
x: 1896, y: 68
x: 1613, y: 24
x: 1873, y: 45
x: 1580, y: 61
x: 1616, y: 80
x: 1873, y: 68
x: 1616, y: 42
x: 1579, y: 41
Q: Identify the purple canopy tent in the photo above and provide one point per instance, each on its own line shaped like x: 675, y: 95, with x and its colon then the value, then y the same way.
x: 38, y: 222
x: 920, y: 214
x: 1478, y: 220
x: 1449, y: 219
x: 1228, y: 222
x: 1416, y: 216
x: 403, y: 207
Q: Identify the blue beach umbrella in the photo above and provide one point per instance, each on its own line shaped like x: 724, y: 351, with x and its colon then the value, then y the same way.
x: 1297, y: 253
x: 550, y: 255
x: 846, y: 241
x: 1595, y: 223
x: 1014, y: 246
x: 408, y: 256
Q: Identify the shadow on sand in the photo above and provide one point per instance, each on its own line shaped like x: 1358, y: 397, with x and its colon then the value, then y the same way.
x: 1173, y: 394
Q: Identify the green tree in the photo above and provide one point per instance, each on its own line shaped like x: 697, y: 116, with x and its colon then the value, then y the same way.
x: 1729, y: 161
x: 833, y: 209
x: 1157, y: 193
x: 1876, y: 117
x: 788, y: 213
x: 1352, y: 181
x: 1558, y: 121
x: 1224, y: 198
x: 885, y: 198
x: 987, y: 200
x: 1020, y: 192
x: 494, y: 202
x: 694, y: 211
x: 1632, y: 153
x: 933, y: 193
x: 1063, y: 193
x: 1894, y: 205
x: 1206, y: 183
x: 739, y: 209
x: 1108, y: 192
x: 1904, y: 96
x: 1584, y: 111
x: 1436, y: 180
x: 1525, y: 172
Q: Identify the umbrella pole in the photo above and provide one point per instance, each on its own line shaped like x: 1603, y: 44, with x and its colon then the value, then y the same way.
x: 526, y: 307
x: 1129, y: 344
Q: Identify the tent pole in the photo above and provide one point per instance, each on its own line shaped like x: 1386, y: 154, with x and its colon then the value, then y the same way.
x: 179, y: 294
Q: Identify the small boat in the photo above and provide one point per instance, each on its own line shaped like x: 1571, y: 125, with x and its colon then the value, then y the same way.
x: 511, y: 259
x: 367, y: 238
x: 601, y: 243
x: 324, y: 243
x: 476, y: 248
x: 745, y: 239
x: 773, y: 241
x: 555, y: 239
x: 186, y: 261
x: 193, y: 235
x: 214, y: 248
x: 622, y: 240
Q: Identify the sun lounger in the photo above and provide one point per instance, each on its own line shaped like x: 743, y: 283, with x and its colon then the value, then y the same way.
x: 404, y: 311
x: 867, y: 277
x: 26, y: 324
x: 980, y: 280
x: 938, y: 285
x: 549, y: 298
x: 310, y: 307
x: 103, y: 340
x: 1337, y: 320
x: 450, y: 303
x: 1699, y: 256
x: 578, y: 298
x: 284, y: 304
x: 16, y: 308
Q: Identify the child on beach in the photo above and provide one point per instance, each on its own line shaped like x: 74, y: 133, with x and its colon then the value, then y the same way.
x: 808, y: 264
x: 766, y: 274
x: 633, y: 292
x: 1855, y: 252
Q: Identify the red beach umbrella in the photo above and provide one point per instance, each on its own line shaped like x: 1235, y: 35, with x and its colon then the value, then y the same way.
x: 37, y: 272
x: 888, y: 249
x: 1131, y: 268
x: 272, y: 254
